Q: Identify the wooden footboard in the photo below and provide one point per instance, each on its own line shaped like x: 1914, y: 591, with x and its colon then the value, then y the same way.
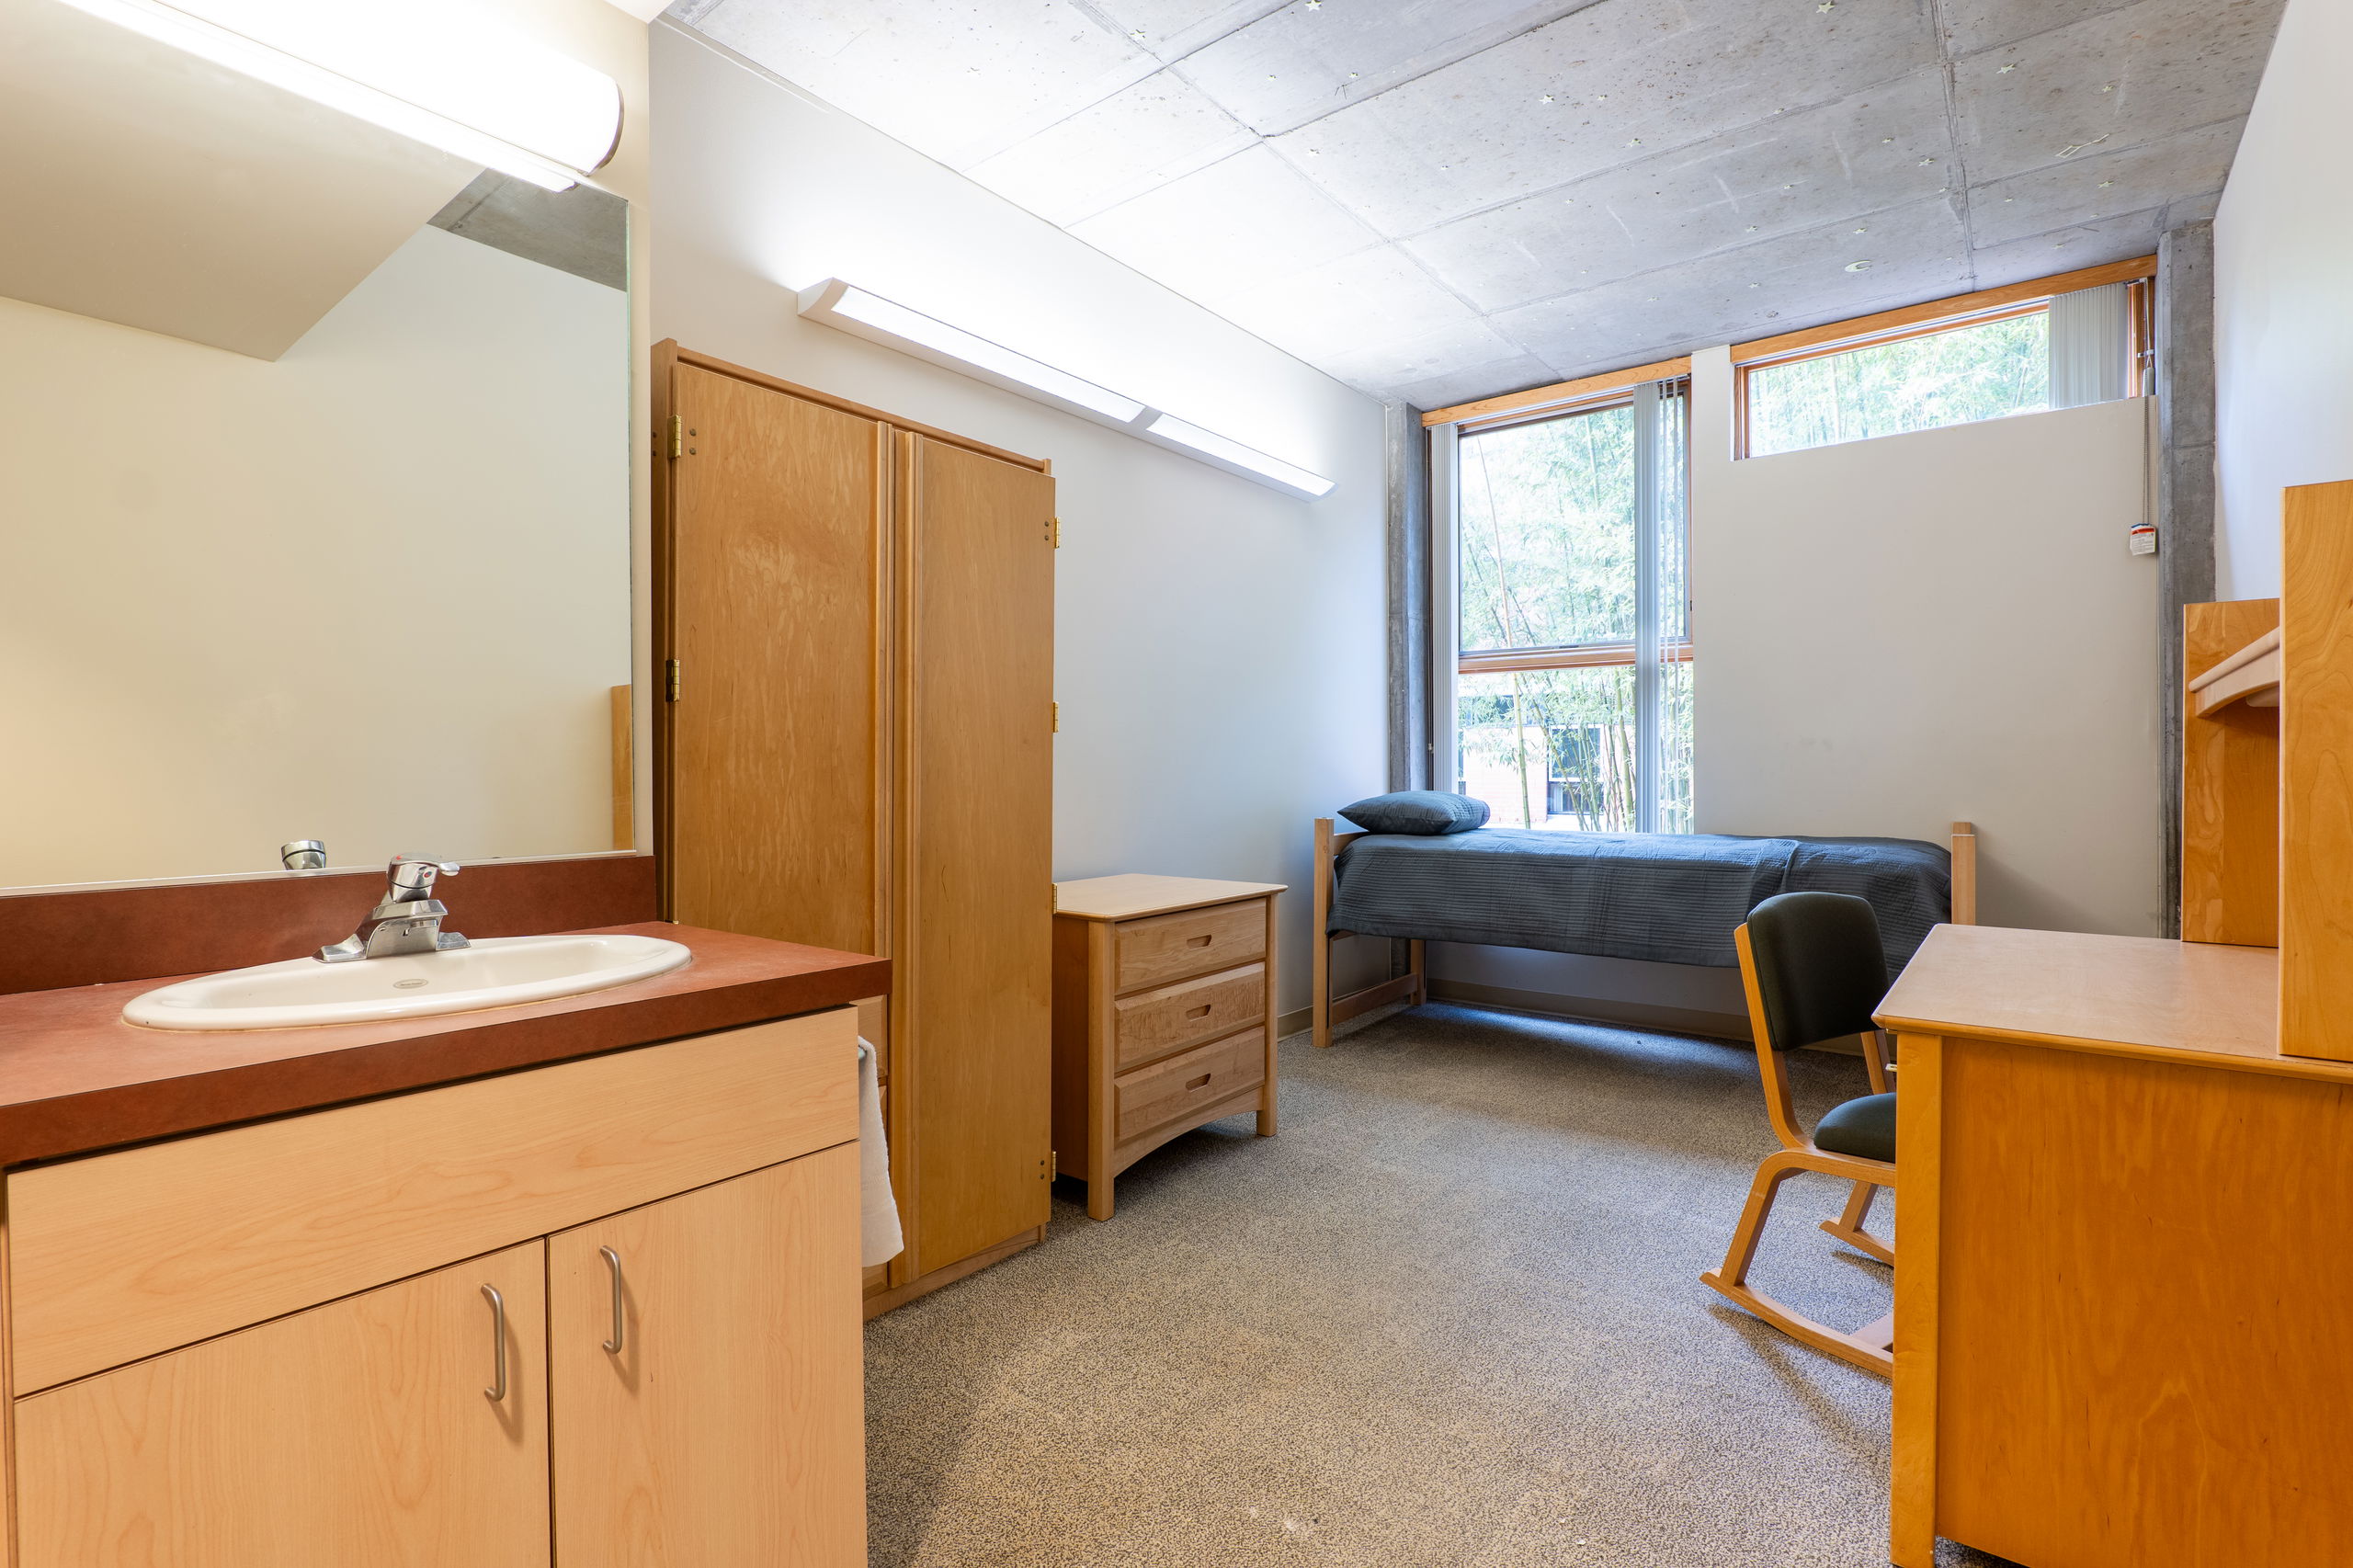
x: 1330, y: 1011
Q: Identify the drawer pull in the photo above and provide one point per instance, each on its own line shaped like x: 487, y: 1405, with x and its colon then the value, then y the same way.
x: 1200, y: 1012
x: 1201, y: 941
x: 1200, y: 1083
x: 620, y: 1326
x: 496, y: 1392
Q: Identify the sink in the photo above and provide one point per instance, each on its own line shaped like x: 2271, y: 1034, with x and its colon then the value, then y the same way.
x: 497, y: 972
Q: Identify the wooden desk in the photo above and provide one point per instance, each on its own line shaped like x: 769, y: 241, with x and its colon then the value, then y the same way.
x: 2124, y: 1293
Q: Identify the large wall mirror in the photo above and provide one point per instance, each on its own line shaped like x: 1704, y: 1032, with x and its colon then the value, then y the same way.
x: 316, y: 461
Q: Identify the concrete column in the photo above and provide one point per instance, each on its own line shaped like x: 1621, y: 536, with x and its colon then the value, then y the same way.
x: 2185, y: 334
x: 1409, y: 597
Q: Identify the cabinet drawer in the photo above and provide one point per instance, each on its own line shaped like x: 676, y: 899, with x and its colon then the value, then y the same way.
x: 116, y: 1256
x: 1192, y: 941
x: 1168, y: 1091
x: 1153, y: 1023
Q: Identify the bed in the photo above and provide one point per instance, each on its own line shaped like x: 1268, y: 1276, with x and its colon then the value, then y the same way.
x: 1669, y: 898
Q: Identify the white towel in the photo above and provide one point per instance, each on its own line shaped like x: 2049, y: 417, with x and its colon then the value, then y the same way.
x: 878, y: 1237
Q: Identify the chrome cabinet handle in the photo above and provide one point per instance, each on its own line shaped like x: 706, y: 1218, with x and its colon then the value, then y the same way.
x: 496, y: 1392
x: 621, y: 1326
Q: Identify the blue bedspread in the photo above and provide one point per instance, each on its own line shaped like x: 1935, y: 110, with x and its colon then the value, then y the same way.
x: 1669, y: 897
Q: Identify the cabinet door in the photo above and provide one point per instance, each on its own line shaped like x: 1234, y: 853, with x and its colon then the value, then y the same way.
x: 775, y: 560
x: 357, y: 1434
x: 973, y: 1011
x: 728, y: 1430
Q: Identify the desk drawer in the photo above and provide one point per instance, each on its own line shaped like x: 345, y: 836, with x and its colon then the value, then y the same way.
x: 1192, y: 941
x: 1152, y: 1023
x: 117, y: 1256
x: 1170, y: 1091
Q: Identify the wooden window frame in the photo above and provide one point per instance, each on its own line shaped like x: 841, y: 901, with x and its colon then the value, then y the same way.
x: 1955, y: 314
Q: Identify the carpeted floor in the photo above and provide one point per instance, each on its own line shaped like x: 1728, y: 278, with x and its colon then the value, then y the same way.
x: 1450, y: 1317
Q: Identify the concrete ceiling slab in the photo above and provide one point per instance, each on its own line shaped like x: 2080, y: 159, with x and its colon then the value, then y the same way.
x: 1228, y: 228
x: 2117, y: 80
x: 1919, y: 252
x: 1627, y: 80
x: 1298, y: 64
x: 1133, y: 142
x: 1973, y: 25
x: 1506, y: 190
x: 2098, y: 185
x: 1880, y: 150
x: 1366, y: 301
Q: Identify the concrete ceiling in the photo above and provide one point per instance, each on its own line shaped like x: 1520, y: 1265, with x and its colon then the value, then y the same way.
x: 1437, y: 200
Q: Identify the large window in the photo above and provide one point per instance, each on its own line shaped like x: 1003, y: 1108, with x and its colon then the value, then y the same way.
x: 1572, y: 682
x: 2024, y: 357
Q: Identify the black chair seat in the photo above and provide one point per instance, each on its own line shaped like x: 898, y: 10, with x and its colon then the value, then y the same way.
x: 1863, y: 1128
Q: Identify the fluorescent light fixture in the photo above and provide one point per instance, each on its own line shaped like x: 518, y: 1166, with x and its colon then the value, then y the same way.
x: 424, y: 70
x: 878, y: 320
x: 1223, y: 452
x: 870, y: 316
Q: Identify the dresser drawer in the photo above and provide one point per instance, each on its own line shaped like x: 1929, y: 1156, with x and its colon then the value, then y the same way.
x: 1151, y: 1024
x: 117, y: 1256
x: 1170, y: 1091
x: 1189, y: 942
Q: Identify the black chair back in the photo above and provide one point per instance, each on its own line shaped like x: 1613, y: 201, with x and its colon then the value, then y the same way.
x: 1820, y: 969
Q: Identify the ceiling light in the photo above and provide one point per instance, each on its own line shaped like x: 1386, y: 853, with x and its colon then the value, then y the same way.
x: 878, y: 320
x: 1234, y: 457
x: 469, y: 87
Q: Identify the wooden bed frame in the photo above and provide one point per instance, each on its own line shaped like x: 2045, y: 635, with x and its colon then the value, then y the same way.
x: 1412, y: 986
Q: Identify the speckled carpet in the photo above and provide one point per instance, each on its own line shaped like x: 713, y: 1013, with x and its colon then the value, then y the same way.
x: 1451, y: 1318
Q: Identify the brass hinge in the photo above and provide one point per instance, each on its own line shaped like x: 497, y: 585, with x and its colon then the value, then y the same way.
x: 670, y: 681
x: 1054, y: 531
x: 1053, y: 1163
x: 1058, y: 716
x: 677, y: 437
x: 1053, y: 896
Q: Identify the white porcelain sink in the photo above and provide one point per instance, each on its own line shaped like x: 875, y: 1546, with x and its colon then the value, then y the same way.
x: 498, y: 972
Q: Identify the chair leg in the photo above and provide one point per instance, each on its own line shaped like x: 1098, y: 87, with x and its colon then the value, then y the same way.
x: 1730, y: 1282
x: 1848, y: 1226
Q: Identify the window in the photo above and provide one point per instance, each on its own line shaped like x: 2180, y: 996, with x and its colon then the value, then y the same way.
x: 1572, y: 681
x: 2021, y: 358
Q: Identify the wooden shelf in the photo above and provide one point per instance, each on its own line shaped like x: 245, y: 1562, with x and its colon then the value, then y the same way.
x: 2250, y: 676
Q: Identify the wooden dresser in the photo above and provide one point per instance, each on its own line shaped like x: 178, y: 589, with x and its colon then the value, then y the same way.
x: 1164, y: 1017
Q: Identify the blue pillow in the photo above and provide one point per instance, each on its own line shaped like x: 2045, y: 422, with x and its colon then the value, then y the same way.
x: 1428, y: 813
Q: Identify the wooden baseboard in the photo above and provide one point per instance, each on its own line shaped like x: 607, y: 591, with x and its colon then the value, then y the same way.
x: 1594, y: 1010
x: 1289, y: 1023
x: 887, y: 1300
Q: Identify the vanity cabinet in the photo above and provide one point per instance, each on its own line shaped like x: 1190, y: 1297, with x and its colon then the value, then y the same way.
x: 279, y: 1346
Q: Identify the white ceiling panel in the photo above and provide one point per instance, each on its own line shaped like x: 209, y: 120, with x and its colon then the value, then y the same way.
x: 1455, y: 197
x: 1137, y: 139
x: 1794, y: 172
x: 1226, y: 229
x: 2113, y: 81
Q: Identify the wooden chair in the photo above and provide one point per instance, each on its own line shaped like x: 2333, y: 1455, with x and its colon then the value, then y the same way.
x: 1815, y: 970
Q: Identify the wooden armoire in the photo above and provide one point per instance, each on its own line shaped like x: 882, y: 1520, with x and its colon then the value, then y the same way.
x: 855, y: 616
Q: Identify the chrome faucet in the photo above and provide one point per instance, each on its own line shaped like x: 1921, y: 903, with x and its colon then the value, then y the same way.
x: 409, y: 920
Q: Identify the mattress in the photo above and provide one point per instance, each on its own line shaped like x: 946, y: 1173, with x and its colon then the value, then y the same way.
x: 1666, y: 897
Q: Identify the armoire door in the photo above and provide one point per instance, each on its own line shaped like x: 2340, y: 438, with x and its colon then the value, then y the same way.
x: 971, y: 996
x: 706, y: 1367
x: 358, y: 1434
x: 776, y: 581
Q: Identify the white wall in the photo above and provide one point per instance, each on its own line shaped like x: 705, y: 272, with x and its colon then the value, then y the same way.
x: 374, y: 592
x: 1898, y: 633
x: 2283, y: 295
x: 1220, y: 648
